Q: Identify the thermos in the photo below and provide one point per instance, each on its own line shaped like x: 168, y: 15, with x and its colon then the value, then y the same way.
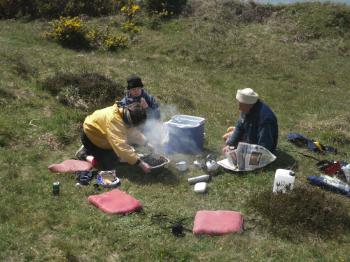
x: 196, y: 179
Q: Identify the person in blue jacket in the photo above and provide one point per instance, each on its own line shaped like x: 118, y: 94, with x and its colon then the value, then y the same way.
x: 136, y: 93
x: 257, y: 123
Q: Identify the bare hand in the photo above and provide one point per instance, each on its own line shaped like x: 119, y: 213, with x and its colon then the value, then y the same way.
x: 225, y: 149
x: 145, y: 167
x: 143, y: 103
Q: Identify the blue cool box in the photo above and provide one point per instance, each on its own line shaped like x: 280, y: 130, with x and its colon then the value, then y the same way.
x: 185, y: 134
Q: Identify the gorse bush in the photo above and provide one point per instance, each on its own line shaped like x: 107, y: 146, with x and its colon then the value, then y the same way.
x: 129, y: 9
x: 70, y: 32
x: 130, y: 27
x: 74, y: 33
x: 113, y: 42
x: 56, y: 8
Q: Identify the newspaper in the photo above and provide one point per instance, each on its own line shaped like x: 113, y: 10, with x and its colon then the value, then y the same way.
x: 248, y: 157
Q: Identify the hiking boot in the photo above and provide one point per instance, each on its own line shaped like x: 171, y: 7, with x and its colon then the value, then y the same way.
x: 81, y: 153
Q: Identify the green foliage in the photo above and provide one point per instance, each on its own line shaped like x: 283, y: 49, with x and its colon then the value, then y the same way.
x: 233, y: 11
x: 316, y: 20
x: 84, y: 91
x: 130, y: 27
x: 114, y: 43
x: 74, y: 33
x: 129, y: 9
x: 193, y: 65
x: 55, y: 8
x: 165, y: 7
x: 244, y: 12
x: 70, y: 32
x: 10, y: 8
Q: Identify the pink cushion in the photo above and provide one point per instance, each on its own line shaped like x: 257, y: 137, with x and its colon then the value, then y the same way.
x: 70, y: 166
x: 115, y: 202
x: 218, y: 222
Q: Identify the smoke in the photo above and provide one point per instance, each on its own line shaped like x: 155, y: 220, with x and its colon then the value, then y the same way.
x: 177, y: 137
x: 156, y: 131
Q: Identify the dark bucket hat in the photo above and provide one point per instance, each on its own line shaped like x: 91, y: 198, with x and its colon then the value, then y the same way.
x: 134, y: 81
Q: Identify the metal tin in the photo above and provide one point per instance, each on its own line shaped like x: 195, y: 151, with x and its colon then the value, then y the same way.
x: 56, y: 188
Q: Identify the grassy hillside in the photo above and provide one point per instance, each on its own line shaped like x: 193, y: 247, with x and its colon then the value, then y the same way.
x: 295, y: 57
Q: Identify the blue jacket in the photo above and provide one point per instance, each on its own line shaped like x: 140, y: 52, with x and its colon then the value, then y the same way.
x: 153, y: 107
x: 259, y: 126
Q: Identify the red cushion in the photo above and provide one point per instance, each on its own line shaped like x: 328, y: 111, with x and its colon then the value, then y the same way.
x: 70, y: 166
x: 218, y: 222
x: 115, y: 202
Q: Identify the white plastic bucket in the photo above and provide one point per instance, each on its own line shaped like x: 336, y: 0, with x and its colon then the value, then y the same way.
x: 284, y: 180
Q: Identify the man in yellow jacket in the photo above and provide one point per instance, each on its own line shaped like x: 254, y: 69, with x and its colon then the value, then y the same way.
x: 108, y: 133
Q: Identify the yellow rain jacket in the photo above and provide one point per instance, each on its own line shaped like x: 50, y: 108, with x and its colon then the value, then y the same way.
x: 106, y: 129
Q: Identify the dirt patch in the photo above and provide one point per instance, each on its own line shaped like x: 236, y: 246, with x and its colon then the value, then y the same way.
x: 49, y: 140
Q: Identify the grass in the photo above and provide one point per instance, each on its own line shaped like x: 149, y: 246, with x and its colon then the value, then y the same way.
x: 193, y: 65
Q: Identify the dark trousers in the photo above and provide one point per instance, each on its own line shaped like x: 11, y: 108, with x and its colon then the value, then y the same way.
x: 106, y: 158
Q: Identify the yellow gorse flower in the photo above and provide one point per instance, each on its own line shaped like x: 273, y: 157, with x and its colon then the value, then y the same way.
x: 130, y: 9
x: 135, y: 8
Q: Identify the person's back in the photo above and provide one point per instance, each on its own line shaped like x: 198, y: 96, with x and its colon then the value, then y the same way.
x: 96, y: 125
x: 260, y: 127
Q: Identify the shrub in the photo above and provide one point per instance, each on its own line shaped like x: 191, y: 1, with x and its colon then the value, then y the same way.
x: 303, y: 210
x: 56, y: 8
x: 70, y: 32
x: 129, y: 9
x: 84, y: 91
x: 115, y: 42
x: 9, y: 8
x: 166, y: 7
x: 73, y: 33
x: 130, y: 27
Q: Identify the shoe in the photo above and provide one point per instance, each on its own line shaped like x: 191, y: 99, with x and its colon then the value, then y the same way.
x: 81, y: 153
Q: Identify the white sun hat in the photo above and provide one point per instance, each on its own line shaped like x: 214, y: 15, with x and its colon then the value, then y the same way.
x: 247, y: 96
